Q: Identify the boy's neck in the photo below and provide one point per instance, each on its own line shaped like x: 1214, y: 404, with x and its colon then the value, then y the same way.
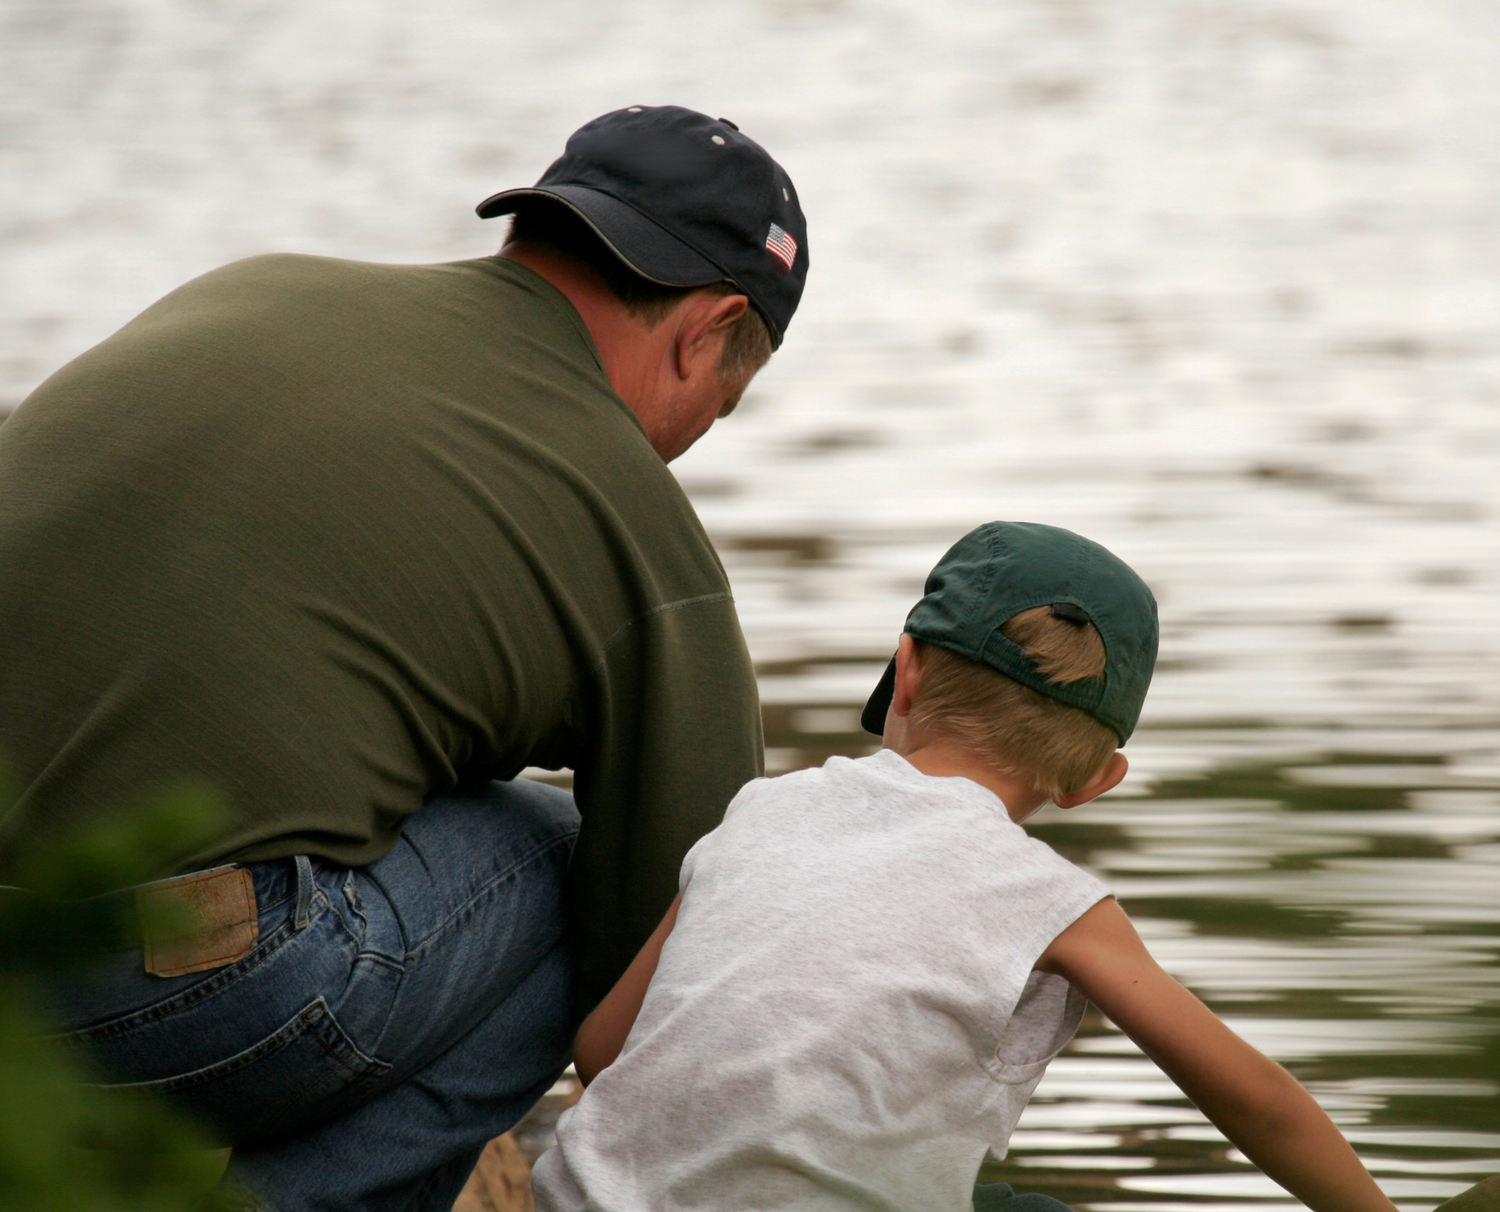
x: 942, y: 758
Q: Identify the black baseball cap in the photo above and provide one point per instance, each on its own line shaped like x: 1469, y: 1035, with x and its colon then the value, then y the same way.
x: 1002, y: 568
x: 684, y: 200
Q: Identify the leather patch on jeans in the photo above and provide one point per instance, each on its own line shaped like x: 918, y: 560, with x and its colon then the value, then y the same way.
x: 195, y: 922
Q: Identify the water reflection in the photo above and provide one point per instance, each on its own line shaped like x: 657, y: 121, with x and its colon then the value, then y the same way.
x: 1341, y: 920
x: 1333, y: 895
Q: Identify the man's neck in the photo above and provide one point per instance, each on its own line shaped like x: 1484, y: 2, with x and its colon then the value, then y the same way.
x: 629, y: 357
x: 670, y: 372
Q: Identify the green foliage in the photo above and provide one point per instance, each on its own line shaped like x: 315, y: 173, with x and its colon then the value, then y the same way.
x: 57, y: 922
x: 66, y: 1145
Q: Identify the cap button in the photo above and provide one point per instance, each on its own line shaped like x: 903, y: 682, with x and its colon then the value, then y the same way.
x: 719, y: 139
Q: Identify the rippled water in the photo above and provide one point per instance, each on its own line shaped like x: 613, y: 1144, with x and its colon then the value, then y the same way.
x: 1338, y: 909
x: 1215, y: 283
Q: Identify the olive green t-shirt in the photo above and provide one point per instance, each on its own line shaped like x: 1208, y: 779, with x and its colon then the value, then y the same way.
x: 335, y: 536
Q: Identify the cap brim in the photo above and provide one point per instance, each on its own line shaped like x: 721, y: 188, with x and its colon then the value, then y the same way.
x: 648, y: 249
x: 872, y: 719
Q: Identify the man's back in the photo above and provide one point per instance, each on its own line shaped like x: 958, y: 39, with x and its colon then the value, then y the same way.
x: 355, y: 543
x: 331, y: 535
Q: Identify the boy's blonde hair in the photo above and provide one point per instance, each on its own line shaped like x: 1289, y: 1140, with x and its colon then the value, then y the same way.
x: 1058, y: 747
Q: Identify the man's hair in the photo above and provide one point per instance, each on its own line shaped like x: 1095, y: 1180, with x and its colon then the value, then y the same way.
x: 1015, y: 728
x: 747, y: 345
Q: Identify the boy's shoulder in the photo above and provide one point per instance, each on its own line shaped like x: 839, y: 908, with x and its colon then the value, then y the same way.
x: 883, y: 774
x: 850, y: 800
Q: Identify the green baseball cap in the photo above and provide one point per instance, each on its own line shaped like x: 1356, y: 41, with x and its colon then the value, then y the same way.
x: 1002, y: 568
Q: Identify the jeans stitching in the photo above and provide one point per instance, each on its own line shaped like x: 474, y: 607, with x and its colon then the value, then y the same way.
x: 305, y: 1021
x: 487, y: 890
x: 384, y: 961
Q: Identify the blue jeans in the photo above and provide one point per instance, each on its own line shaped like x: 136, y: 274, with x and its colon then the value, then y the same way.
x: 361, y: 1059
x: 998, y: 1197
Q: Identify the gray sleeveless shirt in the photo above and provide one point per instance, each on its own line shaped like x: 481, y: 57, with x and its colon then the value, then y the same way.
x: 846, y: 1013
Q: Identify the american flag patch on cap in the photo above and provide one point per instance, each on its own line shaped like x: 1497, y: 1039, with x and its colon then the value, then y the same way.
x: 782, y: 245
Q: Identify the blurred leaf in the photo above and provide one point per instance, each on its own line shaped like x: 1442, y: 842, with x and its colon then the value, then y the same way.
x: 59, y: 916
x: 126, y: 848
x: 70, y: 1146
x: 67, y: 1145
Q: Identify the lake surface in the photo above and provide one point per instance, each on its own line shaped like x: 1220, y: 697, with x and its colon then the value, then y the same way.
x: 1217, y: 284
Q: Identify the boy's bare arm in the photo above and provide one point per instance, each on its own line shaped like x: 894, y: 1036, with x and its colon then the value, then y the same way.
x: 1252, y: 1100
x: 603, y: 1033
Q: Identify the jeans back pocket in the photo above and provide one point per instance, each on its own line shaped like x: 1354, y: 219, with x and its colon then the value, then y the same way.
x: 291, y: 1078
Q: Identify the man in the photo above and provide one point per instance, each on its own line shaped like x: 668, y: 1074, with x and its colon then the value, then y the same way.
x: 351, y: 542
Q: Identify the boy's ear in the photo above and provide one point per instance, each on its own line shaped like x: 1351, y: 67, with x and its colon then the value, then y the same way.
x: 908, y: 676
x: 1107, y: 779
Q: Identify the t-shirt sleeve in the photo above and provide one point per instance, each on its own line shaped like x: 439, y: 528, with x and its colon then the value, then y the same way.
x: 1052, y: 894
x: 676, y: 733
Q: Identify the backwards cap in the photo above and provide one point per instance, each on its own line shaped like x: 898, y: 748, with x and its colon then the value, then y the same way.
x: 1002, y: 568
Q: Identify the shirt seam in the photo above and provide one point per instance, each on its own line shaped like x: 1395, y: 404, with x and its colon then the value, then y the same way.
x: 1085, y: 898
x: 664, y: 608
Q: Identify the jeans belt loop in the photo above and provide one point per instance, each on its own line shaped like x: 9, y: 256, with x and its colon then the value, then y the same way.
x: 304, y: 891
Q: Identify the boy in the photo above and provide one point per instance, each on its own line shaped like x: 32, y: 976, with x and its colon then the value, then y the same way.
x: 870, y: 964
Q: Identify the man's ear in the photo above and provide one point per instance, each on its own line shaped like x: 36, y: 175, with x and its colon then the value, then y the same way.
x: 1107, y: 779
x: 703, y: 321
